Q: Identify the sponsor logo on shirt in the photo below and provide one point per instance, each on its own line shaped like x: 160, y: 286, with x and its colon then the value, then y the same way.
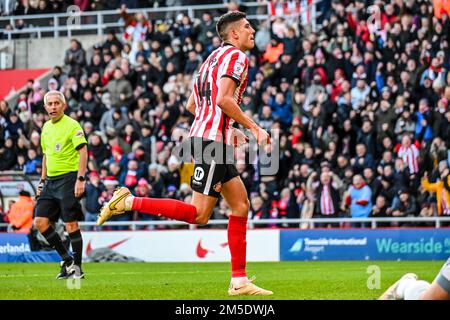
x: 199, y: 173
x: 197, y: 183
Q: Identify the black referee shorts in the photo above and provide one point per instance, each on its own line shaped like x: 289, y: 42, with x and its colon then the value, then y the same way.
x: 58, y: 200
x: 213, y: 166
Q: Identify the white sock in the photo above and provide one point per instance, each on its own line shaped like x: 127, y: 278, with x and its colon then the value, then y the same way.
x: 129, y: 203
x: 403, y: 284
x: 239, y: 281
x: 415, y: 289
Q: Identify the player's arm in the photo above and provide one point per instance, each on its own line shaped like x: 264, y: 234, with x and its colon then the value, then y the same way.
x: 190, y: 105
x: 428, y: 186
x: 80, y: 145
x: 82, y: 165
x: 226, y: 101
x: 44, y: 168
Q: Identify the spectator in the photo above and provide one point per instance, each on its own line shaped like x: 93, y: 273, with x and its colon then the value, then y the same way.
x: 206, y: 29
x: 362, y: 159
x: 94, y: 190
x: 359, y: 199
x: 287, y: 206
x: 404, y: 124
x: 143, y: 189
x: 75, y: 58
x: 20, y: 166
x: 31, y: 166
x: 20, y: 214
x: 441, y: 189
x: 120, y: 89
x: 359, y: 93
x: 258, y: 210
x: 327, y: 196
x: 281, y: 109
x: 410, y: 154
x: 423, y: 121
x: 131, y: 176
x: 381, y: 210
x: 7, y: 7
x: 155, y: 180
x: 43, y: 7
x: 366, y: 137
x: 406, y: 206
x: 98, y: 151
x: 8, y: 155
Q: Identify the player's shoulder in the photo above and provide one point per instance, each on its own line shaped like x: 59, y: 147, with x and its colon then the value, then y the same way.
x: 46, y: 124
x: 240, y: 54
x: 230, y: 50
x: 71, y: 122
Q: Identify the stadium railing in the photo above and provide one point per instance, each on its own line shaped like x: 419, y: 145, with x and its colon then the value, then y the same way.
x: 309, y: 223
x: 96, y: 22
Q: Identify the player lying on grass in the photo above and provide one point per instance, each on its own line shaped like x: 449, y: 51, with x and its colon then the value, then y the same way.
x: 214, y: 101
x: 409, y: 287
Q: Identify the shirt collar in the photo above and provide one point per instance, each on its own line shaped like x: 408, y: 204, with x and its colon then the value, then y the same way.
x: 228, y: 44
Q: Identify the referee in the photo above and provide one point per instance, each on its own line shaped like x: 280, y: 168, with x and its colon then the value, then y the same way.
x: 62, y: 182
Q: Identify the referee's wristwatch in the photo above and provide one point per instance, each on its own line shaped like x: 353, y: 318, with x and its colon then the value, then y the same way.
x: 81, y: 178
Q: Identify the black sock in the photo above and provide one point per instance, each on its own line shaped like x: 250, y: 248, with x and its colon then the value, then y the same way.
x: 77, y: 246
x: 55, y: 242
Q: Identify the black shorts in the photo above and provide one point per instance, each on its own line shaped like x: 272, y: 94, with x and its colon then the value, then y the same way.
x: 214, y: 165
x: 58, y: 199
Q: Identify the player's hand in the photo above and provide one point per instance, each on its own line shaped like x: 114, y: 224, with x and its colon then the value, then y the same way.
x: 261, y: 135
x: 79, y: 188
x: 40, y: 187
x: 238, y: 138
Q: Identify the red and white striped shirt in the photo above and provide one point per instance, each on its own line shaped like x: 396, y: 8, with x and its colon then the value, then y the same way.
x: 136, y: 31
x: 291, y: 8
x: 410, y: 157
x: 326, y: 202
x: 210, y: 121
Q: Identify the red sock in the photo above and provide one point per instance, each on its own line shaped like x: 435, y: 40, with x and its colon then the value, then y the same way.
x: 169, y: 208
x: 237, y: 240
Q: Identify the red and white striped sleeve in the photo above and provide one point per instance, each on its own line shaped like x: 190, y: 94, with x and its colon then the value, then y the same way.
x: 236, y: 66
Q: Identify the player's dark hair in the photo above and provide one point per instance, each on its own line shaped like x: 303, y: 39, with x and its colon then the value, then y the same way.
x: 226, y: 20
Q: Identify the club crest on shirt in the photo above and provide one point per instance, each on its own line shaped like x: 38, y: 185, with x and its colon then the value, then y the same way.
x: 58, y: 147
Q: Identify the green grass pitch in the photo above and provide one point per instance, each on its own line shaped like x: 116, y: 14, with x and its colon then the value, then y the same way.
x: 197, y: 281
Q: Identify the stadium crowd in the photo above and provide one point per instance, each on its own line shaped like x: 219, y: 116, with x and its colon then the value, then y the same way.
x: 362, y: 109
x: 30, y: 7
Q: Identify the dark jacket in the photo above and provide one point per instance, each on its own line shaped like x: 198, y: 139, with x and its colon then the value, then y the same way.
x: 93, y: 193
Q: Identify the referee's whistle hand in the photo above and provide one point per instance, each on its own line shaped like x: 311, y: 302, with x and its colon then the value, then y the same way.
x: 39, y: 189
x: 79, y: 188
